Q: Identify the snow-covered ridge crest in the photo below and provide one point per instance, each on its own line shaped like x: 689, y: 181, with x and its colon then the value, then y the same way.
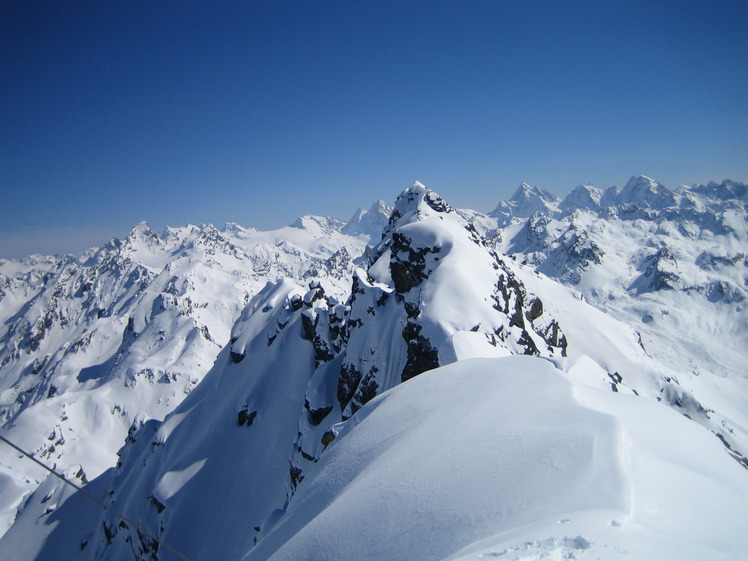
x: 300, y: 361
x: 87, y: 344
x: 652, y: 255
x: 414, y: 203
x: 303, y: 440
x: 434, y: 281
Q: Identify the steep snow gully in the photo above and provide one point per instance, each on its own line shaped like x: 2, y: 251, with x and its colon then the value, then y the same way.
x: 559, y: 379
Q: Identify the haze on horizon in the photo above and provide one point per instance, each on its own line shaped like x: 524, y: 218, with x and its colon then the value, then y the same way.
x: 256, y: 113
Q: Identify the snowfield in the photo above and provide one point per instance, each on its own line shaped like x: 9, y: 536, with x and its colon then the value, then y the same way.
x: 558, y: 379
x: 508, y: 458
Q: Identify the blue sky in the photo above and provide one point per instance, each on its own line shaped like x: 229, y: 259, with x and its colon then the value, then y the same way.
x: 257, y: 112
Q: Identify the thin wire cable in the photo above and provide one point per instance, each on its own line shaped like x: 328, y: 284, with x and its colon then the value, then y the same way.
x: 103, y: 505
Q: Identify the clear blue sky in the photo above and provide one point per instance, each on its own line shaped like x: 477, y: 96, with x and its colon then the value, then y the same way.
x: 257, y: 112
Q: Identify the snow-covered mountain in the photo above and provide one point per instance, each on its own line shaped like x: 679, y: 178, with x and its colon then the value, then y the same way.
x: 525, y: 201
x: 671, y: 262
x: 130, y: 329
x: 584, y: 397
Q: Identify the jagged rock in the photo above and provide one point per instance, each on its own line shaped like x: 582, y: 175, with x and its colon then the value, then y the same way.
x: 422, y: 356
x: 408, y: 265
x: 236, y: 357
x: 660, y: 272
x: 327, y: 438
x: 244, y: 417
x: 316, y: 416
x: 160, y: 507
x: 348, y: 381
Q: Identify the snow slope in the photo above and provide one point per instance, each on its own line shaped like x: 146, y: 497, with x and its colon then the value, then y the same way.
x: 399, y: 422
x: 87, y: 345
x: 669, y: 264
x: 509, y: 458
x: 673, y: 263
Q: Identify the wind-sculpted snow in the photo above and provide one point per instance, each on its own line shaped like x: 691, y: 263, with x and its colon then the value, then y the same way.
x: 464, y: 302
x: 376, y: 407
x: 433, y: 294
x: 670, y: 263
x: 501, y: 456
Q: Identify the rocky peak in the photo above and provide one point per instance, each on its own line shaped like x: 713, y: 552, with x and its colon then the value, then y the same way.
x: 528, y: 194
x: 725, y: 190
x: 645, y: 192
x: 369, y: 222
x: 660, y: 272
x: 526, y: 201
x: 586, y: 197
x: 436, y: 293
x: 416, y: 203
x: 142, y: 234
x: 318, y: 225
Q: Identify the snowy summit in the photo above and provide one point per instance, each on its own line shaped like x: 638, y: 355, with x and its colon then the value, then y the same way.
x: 558, y: 379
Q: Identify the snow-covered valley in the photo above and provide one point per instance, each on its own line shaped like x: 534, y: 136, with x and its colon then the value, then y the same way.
x: 554, y: 379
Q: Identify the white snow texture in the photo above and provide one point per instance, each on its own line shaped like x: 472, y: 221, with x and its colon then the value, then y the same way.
x: 558, y: 379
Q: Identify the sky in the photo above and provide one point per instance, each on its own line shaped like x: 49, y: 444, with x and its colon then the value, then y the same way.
x: 257, y: 112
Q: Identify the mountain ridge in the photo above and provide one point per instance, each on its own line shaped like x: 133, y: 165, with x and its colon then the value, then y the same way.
x: 408, y: 312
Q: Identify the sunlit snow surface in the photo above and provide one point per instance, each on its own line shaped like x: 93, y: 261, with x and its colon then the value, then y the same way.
x: 508, y: 458
x: 86, y: 345
x: 629, y: 443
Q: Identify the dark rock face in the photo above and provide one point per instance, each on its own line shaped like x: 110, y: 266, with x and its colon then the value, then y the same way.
x: 236, y: 357
x: 536, y: 309
x: 316, y: 416
x: 510, y: 298
x: 348, y: 382
x: 324, y: 326
x: 368, y: 388
x: 421, y: 355
x: 437, y: 203
x: 327, y: 438
x: 296, y: 476
x: 554, y: 337
x: 408, y: 264
x: 160, y: 507
x: 308, y: 323
x: 244, y: 417
x: 659, y: 273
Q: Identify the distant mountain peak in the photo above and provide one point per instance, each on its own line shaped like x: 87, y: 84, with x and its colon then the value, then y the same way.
x: 526, y: 200
x: 141, y: 231
x: 331, y: 398
x: 321, y: 224
x: 526, y: 193
x: 582, y: 197
x: 369, y: 222
x: 645, y: 192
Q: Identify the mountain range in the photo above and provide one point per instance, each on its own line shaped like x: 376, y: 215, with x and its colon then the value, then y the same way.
x: 559, y: 378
